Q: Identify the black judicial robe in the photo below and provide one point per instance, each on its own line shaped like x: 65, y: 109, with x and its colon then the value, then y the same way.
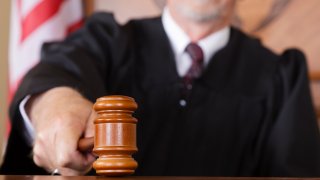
x: 249, y: 114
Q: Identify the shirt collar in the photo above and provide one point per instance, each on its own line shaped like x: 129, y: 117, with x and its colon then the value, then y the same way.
x: 179, y: 39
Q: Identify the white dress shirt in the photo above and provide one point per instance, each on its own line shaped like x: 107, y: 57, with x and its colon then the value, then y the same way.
x: 178, y: 40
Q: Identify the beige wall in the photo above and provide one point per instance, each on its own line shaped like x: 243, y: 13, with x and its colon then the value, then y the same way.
x: 124, y: 9
x: 4, y: 31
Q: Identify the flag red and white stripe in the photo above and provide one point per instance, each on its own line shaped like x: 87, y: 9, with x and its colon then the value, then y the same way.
x: 32, y: 23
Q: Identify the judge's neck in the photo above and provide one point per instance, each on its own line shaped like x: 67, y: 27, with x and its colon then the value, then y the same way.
x: 199, y: 30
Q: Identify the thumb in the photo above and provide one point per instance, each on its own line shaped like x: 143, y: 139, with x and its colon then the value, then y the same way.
x: 89, y: 131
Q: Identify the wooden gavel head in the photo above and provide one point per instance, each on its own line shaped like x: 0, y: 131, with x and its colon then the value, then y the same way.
x: 115, y: 136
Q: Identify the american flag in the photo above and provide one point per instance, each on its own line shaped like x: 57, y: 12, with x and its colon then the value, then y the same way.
x: 32, y: 23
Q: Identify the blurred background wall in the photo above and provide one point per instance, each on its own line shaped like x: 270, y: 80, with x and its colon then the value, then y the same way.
x: 4, y: 32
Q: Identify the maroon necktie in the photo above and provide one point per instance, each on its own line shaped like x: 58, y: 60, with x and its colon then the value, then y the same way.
x: 196, y: 68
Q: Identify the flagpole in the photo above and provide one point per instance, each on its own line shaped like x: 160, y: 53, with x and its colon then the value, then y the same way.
x: 88, y: 7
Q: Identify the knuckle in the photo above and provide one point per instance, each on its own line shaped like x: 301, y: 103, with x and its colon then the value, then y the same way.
x: 41, y: 137
x: 37, y: 160
x: 37, y: 155
x: 37, y: 150
x: 63, y: 160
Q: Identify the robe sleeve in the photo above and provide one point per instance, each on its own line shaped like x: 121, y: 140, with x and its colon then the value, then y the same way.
x: 293, y: 145
x: 82, y: 61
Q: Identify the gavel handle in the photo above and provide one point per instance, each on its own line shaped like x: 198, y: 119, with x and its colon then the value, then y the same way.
x: 86, y: 144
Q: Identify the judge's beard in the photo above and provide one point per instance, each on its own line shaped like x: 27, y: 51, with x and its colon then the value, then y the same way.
x: 200, y: 17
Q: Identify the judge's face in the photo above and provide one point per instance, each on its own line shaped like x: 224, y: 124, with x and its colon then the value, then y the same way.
x: 202, y: 10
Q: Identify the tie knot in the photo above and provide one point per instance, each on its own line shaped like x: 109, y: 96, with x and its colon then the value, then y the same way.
x: 195, y: 52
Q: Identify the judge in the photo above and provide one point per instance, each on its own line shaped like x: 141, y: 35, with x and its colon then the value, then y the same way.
x: 212, y: 100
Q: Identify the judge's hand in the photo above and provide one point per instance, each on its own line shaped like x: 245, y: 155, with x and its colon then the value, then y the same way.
x: 60, y: 117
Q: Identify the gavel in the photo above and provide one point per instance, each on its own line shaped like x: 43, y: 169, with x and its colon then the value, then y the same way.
x: 115, y: 136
